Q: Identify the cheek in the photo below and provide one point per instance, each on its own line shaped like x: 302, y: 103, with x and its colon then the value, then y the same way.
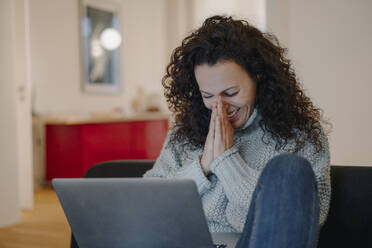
x: 249, y: 98
x: 208, y: 103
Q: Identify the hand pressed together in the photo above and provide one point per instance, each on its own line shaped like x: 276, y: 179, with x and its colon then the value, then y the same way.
x: 220, y: 136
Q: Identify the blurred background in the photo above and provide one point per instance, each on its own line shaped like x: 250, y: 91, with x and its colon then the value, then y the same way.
x: 42, y: 80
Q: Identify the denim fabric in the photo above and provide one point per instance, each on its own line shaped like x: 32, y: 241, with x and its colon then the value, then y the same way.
x: 284, y: 211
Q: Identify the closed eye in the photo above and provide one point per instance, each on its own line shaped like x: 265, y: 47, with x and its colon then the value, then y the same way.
x: 231, y: 94
x: 207, y: 96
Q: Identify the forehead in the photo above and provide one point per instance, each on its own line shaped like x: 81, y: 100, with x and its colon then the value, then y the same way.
x: 220, y: 76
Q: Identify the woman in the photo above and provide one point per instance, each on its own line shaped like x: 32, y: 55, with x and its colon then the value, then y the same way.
x: 247, y: 134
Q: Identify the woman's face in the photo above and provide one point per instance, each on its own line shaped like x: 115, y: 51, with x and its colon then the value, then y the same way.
x: 230, y: 81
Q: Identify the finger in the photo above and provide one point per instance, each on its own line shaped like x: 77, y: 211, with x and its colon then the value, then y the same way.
x: 223, y: 117
x: 227, y: 123
x: 215, y: 112
x: 226, y: 118
x: 224, y: 114
x: 214, y: 108
x: 223, y: 129
x: 211, y: 120
x: 219, y: 106
x: 223, y: 109
x: 217, y: 131
x: 212, y: 128
x: 213, y: 116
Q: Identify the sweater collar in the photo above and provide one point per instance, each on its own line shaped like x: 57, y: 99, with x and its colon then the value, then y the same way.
x: 249, y: 121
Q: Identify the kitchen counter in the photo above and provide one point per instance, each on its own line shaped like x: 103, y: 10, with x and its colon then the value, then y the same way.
x: 99, y: 118
x: 68, y: 145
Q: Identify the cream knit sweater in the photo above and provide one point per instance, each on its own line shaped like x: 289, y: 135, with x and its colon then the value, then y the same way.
x: 226, y: 193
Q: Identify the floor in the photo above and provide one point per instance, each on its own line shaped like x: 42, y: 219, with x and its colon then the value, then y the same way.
x: 44, y: 226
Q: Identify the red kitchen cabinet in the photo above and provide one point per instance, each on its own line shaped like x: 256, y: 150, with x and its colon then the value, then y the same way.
x: 72, y: 148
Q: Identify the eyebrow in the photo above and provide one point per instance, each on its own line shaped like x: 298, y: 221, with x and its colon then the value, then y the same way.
x: 222, y: 91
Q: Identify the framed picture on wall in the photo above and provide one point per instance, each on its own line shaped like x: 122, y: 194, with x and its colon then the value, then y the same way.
x: 101, y: 42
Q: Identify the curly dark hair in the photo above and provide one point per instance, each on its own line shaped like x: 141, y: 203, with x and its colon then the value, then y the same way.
x: 287, y: 113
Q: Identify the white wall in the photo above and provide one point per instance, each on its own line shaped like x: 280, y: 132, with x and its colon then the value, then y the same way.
x: 277, y: 19
x: 145, y: 47
x: 251, y: 10
x: 179, y: 23
x: 330, y: 43
x: 9, y: 201
x: 55, y: 58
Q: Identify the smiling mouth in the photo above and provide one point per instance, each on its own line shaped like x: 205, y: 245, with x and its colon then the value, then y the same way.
x: 232, y: 115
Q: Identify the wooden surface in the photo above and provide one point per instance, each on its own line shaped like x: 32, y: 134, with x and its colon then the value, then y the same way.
x: 44, y: 226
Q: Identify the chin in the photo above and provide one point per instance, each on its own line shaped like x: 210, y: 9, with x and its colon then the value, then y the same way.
x: 236, y: 125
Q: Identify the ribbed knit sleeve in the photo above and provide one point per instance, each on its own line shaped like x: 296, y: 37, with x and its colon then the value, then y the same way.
x: 321, y: 165
x: 168, y: 165
x: 238, y: 181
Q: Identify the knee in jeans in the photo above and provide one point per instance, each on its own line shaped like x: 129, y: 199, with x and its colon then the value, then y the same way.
x: 289, y: 165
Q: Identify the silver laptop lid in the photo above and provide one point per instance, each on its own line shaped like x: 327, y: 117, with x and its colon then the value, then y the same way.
x: 134, y: 212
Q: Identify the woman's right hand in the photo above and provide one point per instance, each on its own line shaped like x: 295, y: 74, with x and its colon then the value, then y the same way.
x: 208, y: 155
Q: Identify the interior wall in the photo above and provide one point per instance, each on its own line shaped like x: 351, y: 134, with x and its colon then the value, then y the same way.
x: 330, y: 43
x: 179, y: 23
x: 277, y: 19
x: 206, y: 8
x: 9, y: 195
x: 55, y: 58
x: 252, y: 10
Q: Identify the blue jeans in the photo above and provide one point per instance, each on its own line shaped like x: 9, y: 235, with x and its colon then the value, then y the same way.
x: 284, y: 211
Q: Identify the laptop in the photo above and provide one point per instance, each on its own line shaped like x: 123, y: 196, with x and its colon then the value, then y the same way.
x: 137, y: 213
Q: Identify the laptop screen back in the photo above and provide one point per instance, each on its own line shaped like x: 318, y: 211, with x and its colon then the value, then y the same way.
x: 129, y: 212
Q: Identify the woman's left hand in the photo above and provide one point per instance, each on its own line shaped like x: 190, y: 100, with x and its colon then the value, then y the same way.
x: 224, y: 132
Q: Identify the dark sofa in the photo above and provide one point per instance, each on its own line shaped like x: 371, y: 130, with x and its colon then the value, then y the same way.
x: 349, y: 223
